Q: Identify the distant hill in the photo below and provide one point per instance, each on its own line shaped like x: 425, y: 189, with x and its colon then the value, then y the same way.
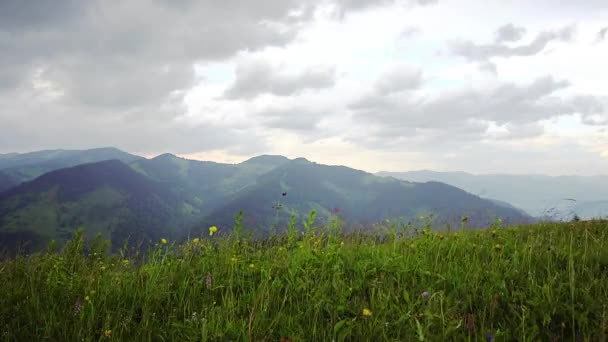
x: 360, y: 197
x: 16, y: 168
x: 556, y: 197
x: 168, y: 196
x: 106, y: 197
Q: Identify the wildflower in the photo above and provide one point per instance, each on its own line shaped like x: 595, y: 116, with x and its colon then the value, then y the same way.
x: 212, y: 230
x: 107, y: 333
x: 209, y: 280
x: 251, y: 266
x: 196, y: 241
x: 490, y: 337
x: 163, y: 241
x: 125, y: 262
x: 498, y: 247
x: 425, y: 294
x: 103, y: 268
x: 441, y: 237
x: 87, y: 299
x: 421, y: 218
x: 77, y: 307
x: 233, y: 259
x: 494, y: 232
x: 367, y: 312
x: 342, y: 244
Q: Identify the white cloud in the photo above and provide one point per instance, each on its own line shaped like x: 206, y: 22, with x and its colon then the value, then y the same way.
x: 375, y: 84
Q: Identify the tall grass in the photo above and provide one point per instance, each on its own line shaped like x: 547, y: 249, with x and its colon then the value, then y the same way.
x: 546, y: 282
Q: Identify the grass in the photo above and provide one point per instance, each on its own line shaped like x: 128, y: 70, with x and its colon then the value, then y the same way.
x: 546, y: 282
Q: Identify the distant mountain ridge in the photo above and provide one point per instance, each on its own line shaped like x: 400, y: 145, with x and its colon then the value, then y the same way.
x: 142, y: 200
x: 16, y: 168
x: 557, y: 197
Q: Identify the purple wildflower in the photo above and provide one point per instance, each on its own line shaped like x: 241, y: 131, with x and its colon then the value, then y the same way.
x: 425, y: 294
x: 490, y: 337
x: 209, y: 280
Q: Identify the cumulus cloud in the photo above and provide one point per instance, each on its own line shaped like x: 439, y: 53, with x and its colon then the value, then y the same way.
x: 601, y: 35
x: 258, y: 76
x: 482, y: 52
x: 509, y: 33
x: 295, y: 118
x: 467, y: 113
x: 399, y: 78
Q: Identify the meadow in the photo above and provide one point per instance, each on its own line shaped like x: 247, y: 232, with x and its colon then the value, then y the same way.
x: 543, y: 282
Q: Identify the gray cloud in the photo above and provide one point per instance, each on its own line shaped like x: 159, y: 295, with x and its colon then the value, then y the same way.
x: 601, y: 35
x: 296, y: 118
x: 402, y: 77
x: 483, y: 52
x: 409, y: 32
x: 255, y: 77
x: 464, y: 115
x: 344, y: 6
x: 125, y: 55
x: 509, y: 33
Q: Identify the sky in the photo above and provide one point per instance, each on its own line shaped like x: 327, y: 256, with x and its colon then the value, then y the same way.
x: 484, y: 86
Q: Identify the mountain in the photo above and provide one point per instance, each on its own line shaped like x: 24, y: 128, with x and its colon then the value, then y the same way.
x: 360, y: 197
x: 106, y: 197
x: 204, y: 185
x: 16, y: 168
x: 538, y: 195
x: 168, y: 196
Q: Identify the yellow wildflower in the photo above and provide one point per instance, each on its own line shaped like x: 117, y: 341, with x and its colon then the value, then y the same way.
x: 212, y: 230
x: 87, y: 299
x: 163, y: 241
x: 107, y: 333
x: 251, y: 266
x: 196, y: 240
x: 367, y: 312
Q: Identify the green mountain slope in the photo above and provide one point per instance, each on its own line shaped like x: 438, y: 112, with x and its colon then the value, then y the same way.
x: 360, y: 198
x: 18, y: 168
x: 106, y: 197
x: 205, y: 186
x: 168, y: 196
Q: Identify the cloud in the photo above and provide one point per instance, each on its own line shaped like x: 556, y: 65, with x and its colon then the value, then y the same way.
x: 466, y: 114
x: 295, y: 118
x: 483, y: 52
x: 344, y: 6
x: 601, y: 35
x: 399, y: 78
x: 258, y: 76
x: 409, y: 32
x: 509, y: 33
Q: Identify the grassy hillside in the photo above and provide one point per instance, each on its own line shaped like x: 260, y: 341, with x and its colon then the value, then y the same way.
x: 547, y: 282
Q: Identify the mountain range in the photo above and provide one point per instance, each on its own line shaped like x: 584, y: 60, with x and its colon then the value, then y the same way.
x: 559, y: 197
x: 134, y: 199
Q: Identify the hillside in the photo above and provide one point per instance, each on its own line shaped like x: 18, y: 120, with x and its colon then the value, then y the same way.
x: 536, y: 194
x: 359, y: 197
x: 16, y: 168
x: 105, y: 197
x: 484, y: 285
x: 172, y: 196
